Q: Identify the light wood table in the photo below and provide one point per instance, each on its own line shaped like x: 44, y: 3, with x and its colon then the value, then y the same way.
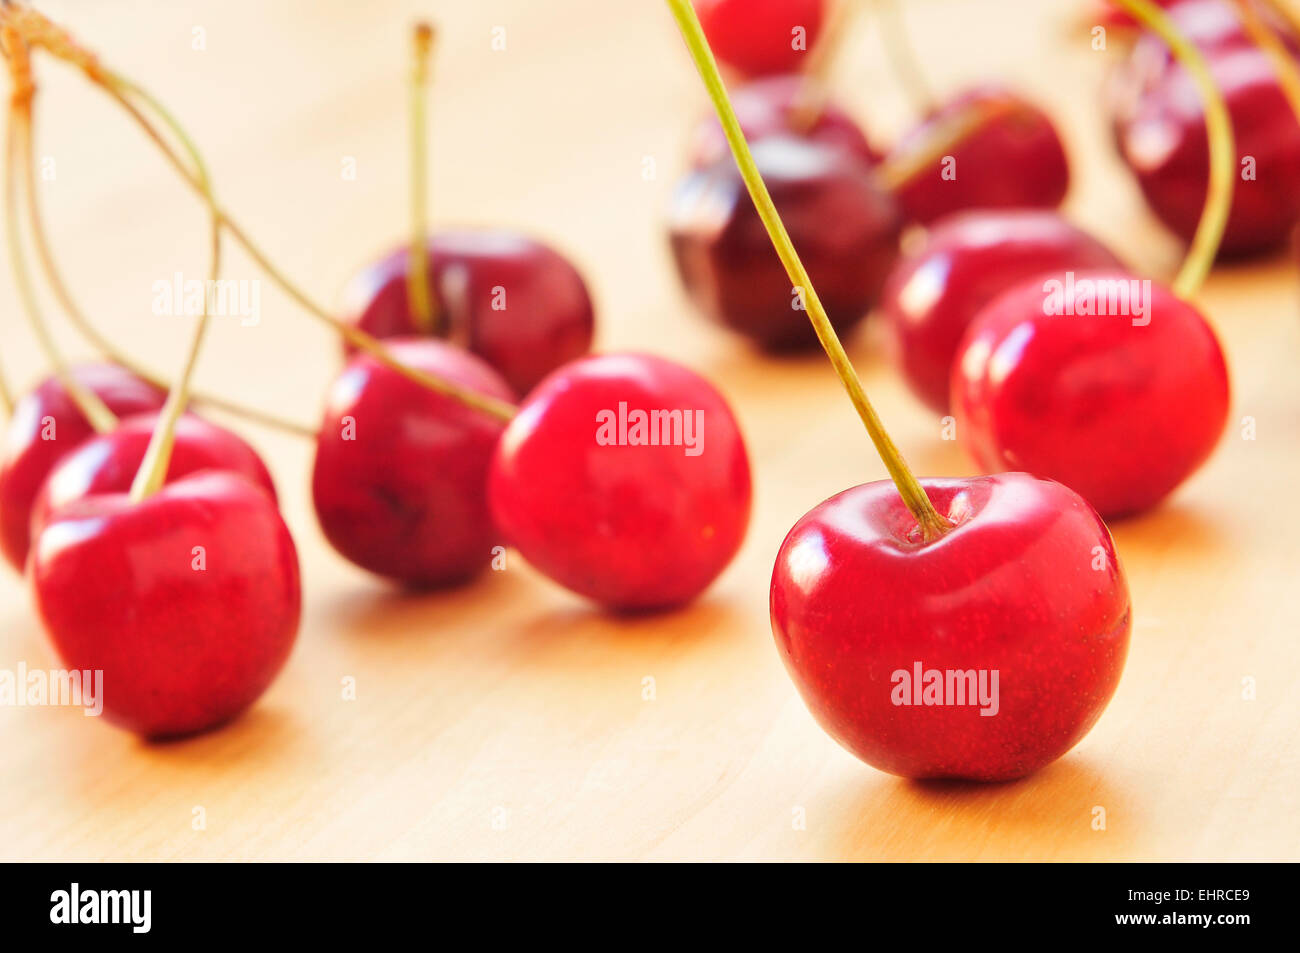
x: 507, y: 720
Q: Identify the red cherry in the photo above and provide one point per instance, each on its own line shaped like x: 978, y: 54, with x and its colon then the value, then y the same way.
x: 1119, y: 410
x: 400, y: 476
x: 516, y: 303
x: 1013, y: 159
x: 1163, y: 140
x: 45, y: 427
x: 1027, y: 585
x: 757, y: 37
x: 967, y: 260
x: 844, y: 224
x: 770, y: 107
x: 188, y: 602
x: 628, y: 525
x: 109, y: 462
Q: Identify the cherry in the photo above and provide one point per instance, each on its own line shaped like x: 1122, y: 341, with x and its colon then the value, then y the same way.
x: 1163, y: 139
x: 758, y: 37
x: 1121, y: 407
x: 965, y: 261
x: 1025, y: 587
x: 46, y: 426
x: 846, y: 225
x: 400, y: 476
x: 516, y: 303
x: 1014, y: 158
x: 773, y: 106
x: 108, y: 463
x: 187, y: 601
x: 579, y: 488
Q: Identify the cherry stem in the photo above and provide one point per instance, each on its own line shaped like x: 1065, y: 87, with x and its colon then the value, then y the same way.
x: 1223, y: 149
x: 18, y: 142
x: 939, y: 139
x: 417, y: 272
x: 1288, y: 74
x: 814, y: 92
x: 932, y: 523
x: 903, y: 60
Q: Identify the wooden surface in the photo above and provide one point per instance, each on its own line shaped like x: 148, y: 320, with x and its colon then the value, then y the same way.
x: 507, y: 720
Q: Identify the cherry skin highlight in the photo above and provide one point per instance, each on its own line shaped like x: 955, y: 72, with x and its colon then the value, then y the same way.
x: 400, y: 479
x: 844, y: 224
x: 108, y: 463
x: 628, y: 525
x: 45, y: 427
x: 188, y: 602
x: 516, y: 303
x: 1121, y: 412
x: 758, y: 37
x: 771, y: 107
x: 1027, y: 586
x: 966, y: 260
x: 1014, y: 159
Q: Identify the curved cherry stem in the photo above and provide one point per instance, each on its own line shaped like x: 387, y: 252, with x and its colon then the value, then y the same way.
x: 814, y: 91
x: 931, y: 522
x: 1223, y: 149
x: 903, y: 60
x: 417, y: 271
x: 18, y: 142
x: 1288, y: 73
x: 939, y: 139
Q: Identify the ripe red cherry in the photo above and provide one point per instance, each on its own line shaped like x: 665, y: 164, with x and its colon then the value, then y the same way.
x: 188, y: 601
x: 516, y: 303
x: 1013, y: 159
x: 757, y: 37
x: 844, y: 224
x: 770, y: 107
x: 1027, y: 585
x: 967, y: 260
x: 1121, y: 412
x: 400, y: 480
x: 1164, y: 142
x: 626, y: 524
x: 46, y: 426
x: 108, y: 463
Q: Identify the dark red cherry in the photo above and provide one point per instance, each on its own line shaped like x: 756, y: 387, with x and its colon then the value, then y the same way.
x: 1164, y: 142
x: 844, y: 224
x: 1120, y: 406
x: 770, y: 107
x: 45, y: 427
x: 1013, y: 159
x: 966, y: 260
x: 108, y: 462
x: 758, y: 37
x: 400, y: 481
x: 1026, y: 590
x: 188, y: 602
x: 624, y: 478
x: 516, y: 303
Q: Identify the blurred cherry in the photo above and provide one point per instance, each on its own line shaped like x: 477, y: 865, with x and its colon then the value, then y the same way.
x: 757, y: 37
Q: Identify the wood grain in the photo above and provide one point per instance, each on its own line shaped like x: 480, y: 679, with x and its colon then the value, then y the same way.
x: 507, y: 720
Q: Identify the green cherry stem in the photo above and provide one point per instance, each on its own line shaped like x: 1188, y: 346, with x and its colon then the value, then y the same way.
x: 938, y: 140
x: 1223, y: 149
x: 903, y: 61
x: 931, y: 522
x: 1288, y: 74
x: 417, y: 272
x: 815, y: 89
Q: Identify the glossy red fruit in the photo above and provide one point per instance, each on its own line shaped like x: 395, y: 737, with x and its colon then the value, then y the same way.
x: 46, y: 426
x: 1026, y: 586
x: 757, y: 37
x: 400, y: 480
x: 770, y: 107
x: 1014, y: 159
x: 1164, y: 142
x: 628, y: 524
x: 516, y: 303
x: 188, y: 602
x: 965, y: 261
x: 844, y: 224
x: 1120, y: 407
x: 108, y: 463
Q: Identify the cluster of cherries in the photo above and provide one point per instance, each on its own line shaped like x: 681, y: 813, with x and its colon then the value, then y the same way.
x: 467, y: 414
